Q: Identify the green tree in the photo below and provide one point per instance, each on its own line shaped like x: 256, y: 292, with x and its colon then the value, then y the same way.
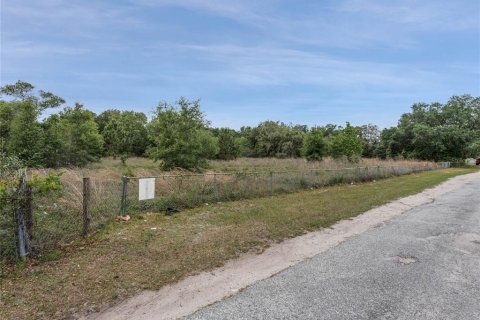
x: 26, y: 138
x: 75, y: 136
x: 228, y: 144
x: 473, y: 149
x: 440, y: 143
x: 23, y: 91
x: 125, y: 134
x: 370, y: 136
x: 434, y: 131
x: 276, y: 139
x: 104, y: 118
x: 314, y: 147
x: 6, y: 117
x: 21, y: 133
x: 347, y: 144
x: 179, y: 136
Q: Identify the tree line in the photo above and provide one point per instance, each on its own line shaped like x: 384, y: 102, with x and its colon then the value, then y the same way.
x: 178, y: 134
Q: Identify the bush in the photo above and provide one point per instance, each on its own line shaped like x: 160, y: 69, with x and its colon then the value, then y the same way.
x: 347, y: 144
x: 314, y: 145
x: 179, y: 136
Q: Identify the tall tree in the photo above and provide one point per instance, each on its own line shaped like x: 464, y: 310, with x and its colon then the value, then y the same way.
x: 314, y: 147
x: 125, y: 134
x: 347, y: 144
x: 370, y: 136
x: 21, y: 133
x: 179, y: 136
x: 276, y: 139
x: 228, y: 144
x: 435, y: 131
x: 75, y: 134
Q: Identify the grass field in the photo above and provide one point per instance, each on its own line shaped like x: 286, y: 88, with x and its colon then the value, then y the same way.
x: 153, y: 250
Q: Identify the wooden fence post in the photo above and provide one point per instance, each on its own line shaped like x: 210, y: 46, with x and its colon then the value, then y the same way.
x: 86, y: 201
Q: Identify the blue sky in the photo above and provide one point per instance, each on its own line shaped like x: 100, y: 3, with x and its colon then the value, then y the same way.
x: 308, y: 62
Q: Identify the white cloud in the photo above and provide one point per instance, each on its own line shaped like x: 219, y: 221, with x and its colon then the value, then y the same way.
x: 25, y: 49
x: 280, y: 66
x: 65, y: 15
x: 443, y: 14
x: 246, y: 11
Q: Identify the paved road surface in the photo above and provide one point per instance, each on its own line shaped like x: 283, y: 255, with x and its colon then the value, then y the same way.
x: 424, y: 264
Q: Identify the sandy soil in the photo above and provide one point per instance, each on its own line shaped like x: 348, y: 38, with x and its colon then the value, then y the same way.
x: 200, y: 290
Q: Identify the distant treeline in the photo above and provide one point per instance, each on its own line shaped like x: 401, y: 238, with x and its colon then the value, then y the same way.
x: 179, y: 135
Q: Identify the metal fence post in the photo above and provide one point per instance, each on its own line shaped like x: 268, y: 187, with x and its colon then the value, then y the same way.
x: 215, y: 187
x: 86, y: 200
x: 123, y: 205
x: 271, y: 182
x: 28, y: 217
x: 23, y: 242
x: 20, y: 221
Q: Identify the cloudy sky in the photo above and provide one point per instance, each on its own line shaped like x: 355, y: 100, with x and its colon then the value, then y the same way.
x: 296, y: 61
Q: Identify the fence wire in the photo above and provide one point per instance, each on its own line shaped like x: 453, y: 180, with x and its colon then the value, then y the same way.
x: 8, y: 238
x: 59, y: 218
x: 191, y: 190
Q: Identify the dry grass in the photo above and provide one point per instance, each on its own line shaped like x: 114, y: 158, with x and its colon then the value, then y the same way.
x: 273, y: 164
x: 153, y: 250
x: 109, y: 168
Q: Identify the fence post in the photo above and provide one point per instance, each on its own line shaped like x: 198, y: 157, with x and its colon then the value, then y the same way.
x: 28, y: 217
x: 20, y: 212
x: 20, y: 221
x: 123, y: 205
x: 271, y: 183
x: 86, y: 201
x: 215, y: 187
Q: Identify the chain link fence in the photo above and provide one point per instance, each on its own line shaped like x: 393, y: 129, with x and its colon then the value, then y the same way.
x: 34, y: 224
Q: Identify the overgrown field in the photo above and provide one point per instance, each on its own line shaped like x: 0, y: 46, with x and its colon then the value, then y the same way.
x: 152, y: 249
x: 113, y: 168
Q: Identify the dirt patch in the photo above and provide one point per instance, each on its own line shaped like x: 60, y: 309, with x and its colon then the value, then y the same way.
x: 199, y: 290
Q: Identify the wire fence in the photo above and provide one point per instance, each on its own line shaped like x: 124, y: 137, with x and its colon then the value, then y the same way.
x: 191, y: 190
x: 45, y: 222
x: 53, y: 220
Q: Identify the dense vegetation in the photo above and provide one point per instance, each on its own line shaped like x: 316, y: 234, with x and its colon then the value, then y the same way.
x: 178, y: 135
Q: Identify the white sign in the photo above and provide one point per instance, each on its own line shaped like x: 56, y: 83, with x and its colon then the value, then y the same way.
x: 146, y: 188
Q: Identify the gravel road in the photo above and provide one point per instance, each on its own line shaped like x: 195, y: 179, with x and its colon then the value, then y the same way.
x: 424, y: 264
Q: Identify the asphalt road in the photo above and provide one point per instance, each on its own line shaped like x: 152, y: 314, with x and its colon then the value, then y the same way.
x: 424, y: 264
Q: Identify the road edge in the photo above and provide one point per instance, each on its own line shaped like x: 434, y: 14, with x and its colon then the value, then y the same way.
x: 197, y: 291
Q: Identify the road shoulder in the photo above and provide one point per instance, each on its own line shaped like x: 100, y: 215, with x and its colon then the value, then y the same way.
x: 197, y: 291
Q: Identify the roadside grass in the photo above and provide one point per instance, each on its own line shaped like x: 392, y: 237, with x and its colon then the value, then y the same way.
x: 153, y: 250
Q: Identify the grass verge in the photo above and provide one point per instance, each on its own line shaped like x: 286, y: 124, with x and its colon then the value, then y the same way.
x: 153, y: 250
